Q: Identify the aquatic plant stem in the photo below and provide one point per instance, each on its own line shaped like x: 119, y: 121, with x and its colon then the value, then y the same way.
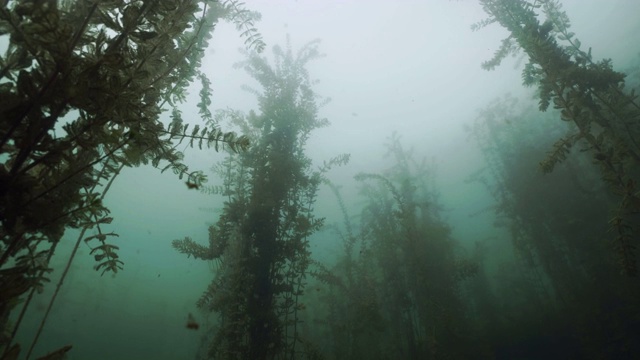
x: 67, y: 267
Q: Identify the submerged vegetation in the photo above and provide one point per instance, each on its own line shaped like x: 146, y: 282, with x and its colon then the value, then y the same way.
x: 83, y: 87
x: 260, y: 242
x: 395, y: 292
x: 562, y: 290
x: 589, y: 94
x: 88, y: 88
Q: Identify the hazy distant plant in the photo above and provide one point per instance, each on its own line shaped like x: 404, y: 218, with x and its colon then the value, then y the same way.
x: 589, y: 94
x: 419, y: 265
x: 554, y: 225
x: 394, y: 291
x: 353, y: 318
x: 83, y: 85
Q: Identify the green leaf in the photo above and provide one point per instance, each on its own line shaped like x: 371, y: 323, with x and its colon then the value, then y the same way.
x: 130, y: 16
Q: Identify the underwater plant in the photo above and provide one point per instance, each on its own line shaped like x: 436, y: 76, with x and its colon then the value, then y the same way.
x: 394, y: 293
x: 83, y: 87
x: 589, y: 94
x: 553, y: 225
x: 352, y: 326
x: 260, y: 242
x: 421, y: 268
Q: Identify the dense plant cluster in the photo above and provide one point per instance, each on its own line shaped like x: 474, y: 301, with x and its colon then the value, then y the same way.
x: 554, y: 225
x: 83, y: 86
x: 589, y: 94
